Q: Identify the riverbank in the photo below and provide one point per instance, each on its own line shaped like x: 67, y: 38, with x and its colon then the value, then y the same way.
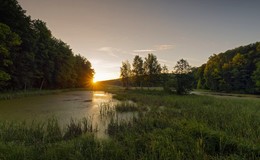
x: 223, y: 94
x: 19, y: 94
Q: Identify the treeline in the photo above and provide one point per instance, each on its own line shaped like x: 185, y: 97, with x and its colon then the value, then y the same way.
x: 150, y: 73
x: 142, y: 73
x: 30, y: 57
x: 236, y: 70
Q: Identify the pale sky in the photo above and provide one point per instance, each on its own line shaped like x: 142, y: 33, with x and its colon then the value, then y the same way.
x: 108, y: 32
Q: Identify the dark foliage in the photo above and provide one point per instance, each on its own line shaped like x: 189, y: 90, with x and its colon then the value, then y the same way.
x: 30, y: 57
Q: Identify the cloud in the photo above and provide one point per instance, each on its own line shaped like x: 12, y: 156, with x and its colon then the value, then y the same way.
x: 110, y: 50
x: 105, y: 49
x: 144, y: 50
x: 164, y: 47
x: 163, y: 60
x: 156, y: 48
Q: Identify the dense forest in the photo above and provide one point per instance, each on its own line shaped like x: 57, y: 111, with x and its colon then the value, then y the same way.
x: 30, y: 57
x: 236, y: 70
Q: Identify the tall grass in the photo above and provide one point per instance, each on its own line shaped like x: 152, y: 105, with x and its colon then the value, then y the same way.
x: 129, y: 106
x: 107, y: 110
x: 174, y: 127
x: 213, y: 127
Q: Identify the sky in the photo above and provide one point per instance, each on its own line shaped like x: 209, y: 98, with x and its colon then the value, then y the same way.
x: 108, y: 32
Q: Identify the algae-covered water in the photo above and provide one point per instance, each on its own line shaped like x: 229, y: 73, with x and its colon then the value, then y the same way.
x: 64, y: 106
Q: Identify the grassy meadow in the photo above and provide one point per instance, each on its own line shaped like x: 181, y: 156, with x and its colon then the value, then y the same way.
x: 166, y: 127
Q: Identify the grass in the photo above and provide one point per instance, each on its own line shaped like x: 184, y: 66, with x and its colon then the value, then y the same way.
x: 129, y: 106
x: 174, y: 127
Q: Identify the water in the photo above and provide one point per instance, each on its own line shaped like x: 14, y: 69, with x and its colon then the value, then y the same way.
x: 63, y: 106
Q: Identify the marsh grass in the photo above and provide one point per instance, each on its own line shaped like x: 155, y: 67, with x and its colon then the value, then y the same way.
x: 215, y: 128
x: 129, y: 106
x: 106, y: 110
x: 175, y: 127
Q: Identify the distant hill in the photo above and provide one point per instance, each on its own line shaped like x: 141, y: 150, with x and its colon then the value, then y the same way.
x: 236, y: 70
x: 116, y: 82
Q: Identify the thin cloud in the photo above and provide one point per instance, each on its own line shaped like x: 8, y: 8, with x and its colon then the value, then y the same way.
x: 163, y: 60
x: 110, y: 50
x: 161, y: 47
x: 105, y: 49
x: 143, y: 50
x: 164, y: 47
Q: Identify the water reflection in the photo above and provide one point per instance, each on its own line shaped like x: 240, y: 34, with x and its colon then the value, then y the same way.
x: 64, y: 106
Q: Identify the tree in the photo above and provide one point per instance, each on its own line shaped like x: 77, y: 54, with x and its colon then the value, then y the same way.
x: 165, y: 70
x: 256, y: 77
x: 212, y: 72
x: 182, y: 67
x: 125, y: 73
x: 181, y: 82
x: 30, y: 57
x: 164, y: 74
x: 44, y: 54
x: 199, y: 76
x: 8, y: 42
x: 84, y: 72
x: 152, y: 69
x: 138, y: 71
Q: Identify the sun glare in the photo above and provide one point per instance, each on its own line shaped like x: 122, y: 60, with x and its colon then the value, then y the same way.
x: 94, y: 81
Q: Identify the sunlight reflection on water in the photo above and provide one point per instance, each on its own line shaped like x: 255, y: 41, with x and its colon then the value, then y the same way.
x: 63, y: 106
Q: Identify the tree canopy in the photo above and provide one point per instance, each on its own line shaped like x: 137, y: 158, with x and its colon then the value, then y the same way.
x: 235, y: 70
x: 30, y: 57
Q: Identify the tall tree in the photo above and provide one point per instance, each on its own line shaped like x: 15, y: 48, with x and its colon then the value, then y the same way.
x: 182, y: 67
x: 84, y: 72
x: 138, y: 71
x: 44, y: 54
x: 125, y: 73
x: 152, y: 69
x: 183, y: 77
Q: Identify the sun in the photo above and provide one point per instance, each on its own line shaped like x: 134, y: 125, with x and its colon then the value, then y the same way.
x: 94, y: 81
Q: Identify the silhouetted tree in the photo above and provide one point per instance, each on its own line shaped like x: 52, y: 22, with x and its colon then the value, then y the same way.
x: 152, y: 70
x: 181, y: 81
x: 138, y: 71
x: 125, y: 73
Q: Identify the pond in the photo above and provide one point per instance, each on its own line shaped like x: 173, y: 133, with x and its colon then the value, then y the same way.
x: 63, y: 106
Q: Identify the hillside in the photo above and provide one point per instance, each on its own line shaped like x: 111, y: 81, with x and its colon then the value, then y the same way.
x: 236, y: 70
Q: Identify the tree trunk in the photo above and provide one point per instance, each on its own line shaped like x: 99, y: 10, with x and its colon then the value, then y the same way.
x: 42, y: 84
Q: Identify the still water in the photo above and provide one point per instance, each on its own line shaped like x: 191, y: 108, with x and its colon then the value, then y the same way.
x: 63, y: 106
